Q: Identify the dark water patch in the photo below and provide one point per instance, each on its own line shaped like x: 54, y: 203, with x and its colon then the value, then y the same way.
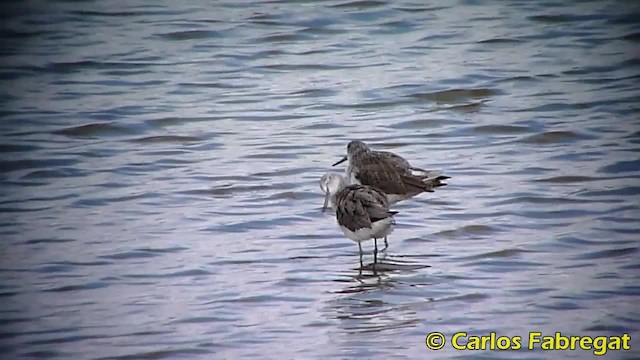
x: 85, y: 286
x: 118, y: 14
x: 370, y: 105
x: 19, y: 34
x: 555, y: 107
x: 455, y: 95
x: 103, y: 201
x: 315, y: 93
x: 467, y: 298
x: 13, y: 148
x: 322, y: 126
x: 500, y: 129
x: 425, y: 123
x: 538, y: 200
x: 634, y: 37
x: 53, y: 268
x: 560, y: 305
x: 308, y: 67
x: 135, y: 254
x: 168, y: 250
x: 273, y: 118
x: 64, y: 339
x: 506, y: 253
x: 623, y: 191
x: 554, y: 137
x: 581, y: 242
x: 394, y: 28
x: 48, y: 241
x: 176, y: 121
x: 528, y: 171
x: 604, y: 254
x: 496, y: 266
x: 212, y: 85
x: 626, y: 231
x: 11, y: 320
x: 555, y: 19
x: 500, y: 41
x: 359, y: 4
x: 282, y: 155
x: 314, y: 236
x: 417, y: 8
x: 566, y: 179
x: 208, y: 192
x: 265, y: 299
x: 611, y: 328
x: 518, y: 79
x: 247, y: 226
x: 80, y: 263
x: 323, y: 31
x: 94, y: 130
x: 55, y: 173
x: 620, y: 167
x: 481, y: 230
x: 23, y: 210
x: 383, y: 266
x: 178, y: 353
x: 282, y: 172
x: 631, y: 266
x: 265, y: 16
x: 573, y: 156
x: 466, y: 108
x: 533, y: 291
x: 46, y: 354
x: 283, y: 38
x: 557, y: 214
x: 88, y: 203
x: 78, y: 66
x: 289, y: 195
x: 8, y: 335
x: 205, y: 320
x: 190, y: 35
x: 15, y: 165
x: 628, y: 17
x: 183, y: 273
x: 166, y: 139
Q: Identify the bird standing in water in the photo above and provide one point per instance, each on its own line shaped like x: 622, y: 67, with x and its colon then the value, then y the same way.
x: 362, y: 211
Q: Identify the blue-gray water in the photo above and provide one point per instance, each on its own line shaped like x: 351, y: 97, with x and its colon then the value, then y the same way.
x: 160, y: 165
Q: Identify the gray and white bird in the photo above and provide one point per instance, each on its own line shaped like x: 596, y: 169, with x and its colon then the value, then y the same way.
x: 362, y: 211
x: 388, y: 172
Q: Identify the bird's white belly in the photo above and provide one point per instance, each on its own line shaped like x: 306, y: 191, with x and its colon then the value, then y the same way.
x: 378, y: 230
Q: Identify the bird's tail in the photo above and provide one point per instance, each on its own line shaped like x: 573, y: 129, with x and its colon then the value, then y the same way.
x: 416, y: 171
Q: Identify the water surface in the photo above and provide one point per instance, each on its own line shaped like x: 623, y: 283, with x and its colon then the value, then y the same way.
x: 160, y: 167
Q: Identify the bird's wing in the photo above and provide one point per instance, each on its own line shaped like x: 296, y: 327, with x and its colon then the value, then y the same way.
x: 358, y: 206
x: 383, y: 174
x: 350, y: 211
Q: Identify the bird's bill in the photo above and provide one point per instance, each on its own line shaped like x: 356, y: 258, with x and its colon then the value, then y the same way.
x: 340, y: 161
x: 326, y: 201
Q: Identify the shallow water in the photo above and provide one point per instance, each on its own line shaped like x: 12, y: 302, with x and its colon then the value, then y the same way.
x: 160, y: 168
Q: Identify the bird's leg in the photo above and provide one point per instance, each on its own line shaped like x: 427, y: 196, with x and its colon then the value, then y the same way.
x: 375, y: 251
x: 360, y: 247
x: 386, y: 244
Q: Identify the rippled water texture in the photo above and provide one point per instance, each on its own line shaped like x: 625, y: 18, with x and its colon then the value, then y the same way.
x: 160, y: 166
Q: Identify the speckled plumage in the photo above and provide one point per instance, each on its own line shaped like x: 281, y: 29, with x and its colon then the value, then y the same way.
x: 362, y: 211
x: 388, y: 172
